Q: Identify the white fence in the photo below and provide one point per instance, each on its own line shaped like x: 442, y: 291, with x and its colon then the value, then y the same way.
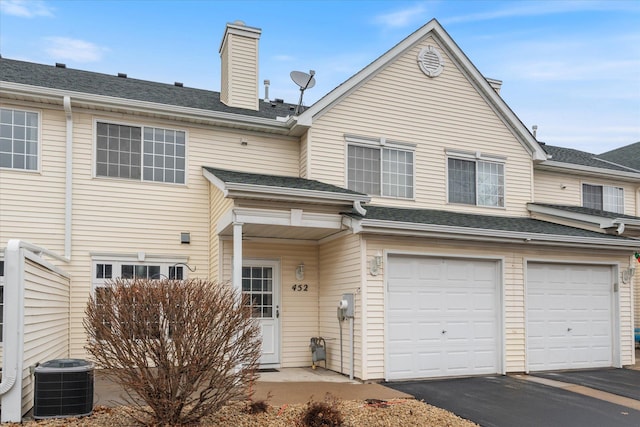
x: 36, y: 322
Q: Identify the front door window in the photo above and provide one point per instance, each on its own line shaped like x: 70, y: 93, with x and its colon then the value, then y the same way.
x: 257, y: 286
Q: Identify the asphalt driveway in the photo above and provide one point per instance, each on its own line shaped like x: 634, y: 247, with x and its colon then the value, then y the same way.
x: 623, y: 382
x: 501, y: 401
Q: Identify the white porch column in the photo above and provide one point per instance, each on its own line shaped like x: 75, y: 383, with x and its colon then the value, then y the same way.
x: 236, y: 277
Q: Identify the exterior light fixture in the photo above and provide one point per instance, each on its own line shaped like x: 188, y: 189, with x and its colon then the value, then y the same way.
x: 375, y: 264
x: 300, y: 271
x: 628, y: 274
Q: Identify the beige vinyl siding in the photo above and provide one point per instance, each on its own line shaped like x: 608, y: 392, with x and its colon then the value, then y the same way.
x: 340, y: 273
x: 513, y: 260
x: 218, y: 206
x: 304, y: 152
x: 32, y: 203
x: 401, y: 104
x: 298, y: 310
x: 119, y: 216
x: 46, y: 321
x: 125, y: 216
x: 374, y: 314
x: 241, y: 73
x: 548, y: 189
x: 224, y: 76
x: 636, y: 298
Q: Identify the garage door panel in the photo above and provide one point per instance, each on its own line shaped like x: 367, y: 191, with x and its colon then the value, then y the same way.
x: 458, y: 297
x: 569, y: 317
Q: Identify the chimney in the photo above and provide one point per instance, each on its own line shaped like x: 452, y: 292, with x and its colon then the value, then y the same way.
x: 239, y: 57
x: 495, y: 84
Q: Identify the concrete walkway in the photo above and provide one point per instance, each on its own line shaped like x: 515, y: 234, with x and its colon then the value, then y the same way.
x: 299, y: 385
x: 287, y: 386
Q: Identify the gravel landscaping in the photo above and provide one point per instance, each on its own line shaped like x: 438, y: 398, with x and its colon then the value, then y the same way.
x: 399, y: 412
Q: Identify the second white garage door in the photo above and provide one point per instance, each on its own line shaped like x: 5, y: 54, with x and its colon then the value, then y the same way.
x: 443, y: 317
x: 569, y: 316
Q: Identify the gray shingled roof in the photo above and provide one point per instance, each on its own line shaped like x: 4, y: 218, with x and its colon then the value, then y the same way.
x: 277, y: 181
x: 48, y: 76
x: 629, y: 155
x: 582, y: 158
x: 473, y: 221
x: 587, y: 211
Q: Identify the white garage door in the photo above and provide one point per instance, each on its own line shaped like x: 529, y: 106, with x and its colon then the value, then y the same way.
x: 442, y: 317
x: 569, y: 316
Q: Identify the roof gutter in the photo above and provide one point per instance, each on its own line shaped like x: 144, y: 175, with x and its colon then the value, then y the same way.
x: 603, y: 222
x: 600, y: 172
x: 237, y: 190
x: 173, y: 111
x: 464, y: 233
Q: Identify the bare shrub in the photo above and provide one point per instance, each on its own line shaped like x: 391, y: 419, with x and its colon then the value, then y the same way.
x: 183, y: 348
x: 323, y: 414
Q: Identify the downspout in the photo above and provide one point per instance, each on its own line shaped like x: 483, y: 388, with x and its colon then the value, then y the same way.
x: 66, y: 102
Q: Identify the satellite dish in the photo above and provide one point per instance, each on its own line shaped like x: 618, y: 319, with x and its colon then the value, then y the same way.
x: 304, y: 81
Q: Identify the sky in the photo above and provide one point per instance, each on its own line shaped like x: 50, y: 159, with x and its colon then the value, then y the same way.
x: 570, y: 67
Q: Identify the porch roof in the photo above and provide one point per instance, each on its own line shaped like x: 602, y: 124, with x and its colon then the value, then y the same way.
x: 237, y: 184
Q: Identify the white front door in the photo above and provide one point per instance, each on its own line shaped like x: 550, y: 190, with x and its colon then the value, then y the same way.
x: 443, y: 317
x: 569, y: 316
x: 261, y: 283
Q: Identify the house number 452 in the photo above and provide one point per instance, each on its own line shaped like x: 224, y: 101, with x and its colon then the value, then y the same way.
x: 299, y: 287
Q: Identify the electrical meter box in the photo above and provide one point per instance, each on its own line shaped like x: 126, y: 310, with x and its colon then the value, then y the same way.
x: 347, y: 305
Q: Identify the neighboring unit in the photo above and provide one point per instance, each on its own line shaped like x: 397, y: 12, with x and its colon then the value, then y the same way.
x: 469, y: 247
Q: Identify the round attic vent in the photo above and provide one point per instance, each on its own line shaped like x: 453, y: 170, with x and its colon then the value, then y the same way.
x: 430, y: 61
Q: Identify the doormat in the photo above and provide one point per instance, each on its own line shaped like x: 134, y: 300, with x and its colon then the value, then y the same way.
x: 268, y: 370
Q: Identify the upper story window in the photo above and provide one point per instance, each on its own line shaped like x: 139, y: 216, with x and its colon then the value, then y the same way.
x: 18, y: 139
x: 475, y: 181
x: 603, y: 197
x: 380, y: 168
x: 146, y: 153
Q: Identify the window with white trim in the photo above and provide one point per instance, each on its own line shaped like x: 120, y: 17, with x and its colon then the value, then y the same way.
x: 140, y: 153
x: 476, y: 182
x: 18, y: 139
x: 380, y: 171
x: 105, y: 271
x: 603, y: 197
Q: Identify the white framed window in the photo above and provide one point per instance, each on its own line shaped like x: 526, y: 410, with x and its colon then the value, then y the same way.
x: 19, y: 136
x: 603, y: 197
x: 473, y: 180
x: 257, y: 287
x: 105, y: 270
x: 140, y: 152
x: 380, y: 168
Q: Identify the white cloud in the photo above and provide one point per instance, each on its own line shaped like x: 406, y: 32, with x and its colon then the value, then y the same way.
x: 402, y: 18
x: 538, y: 8
x: 25, y: 8
x: 74, y: 49
x: 285, y: 58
